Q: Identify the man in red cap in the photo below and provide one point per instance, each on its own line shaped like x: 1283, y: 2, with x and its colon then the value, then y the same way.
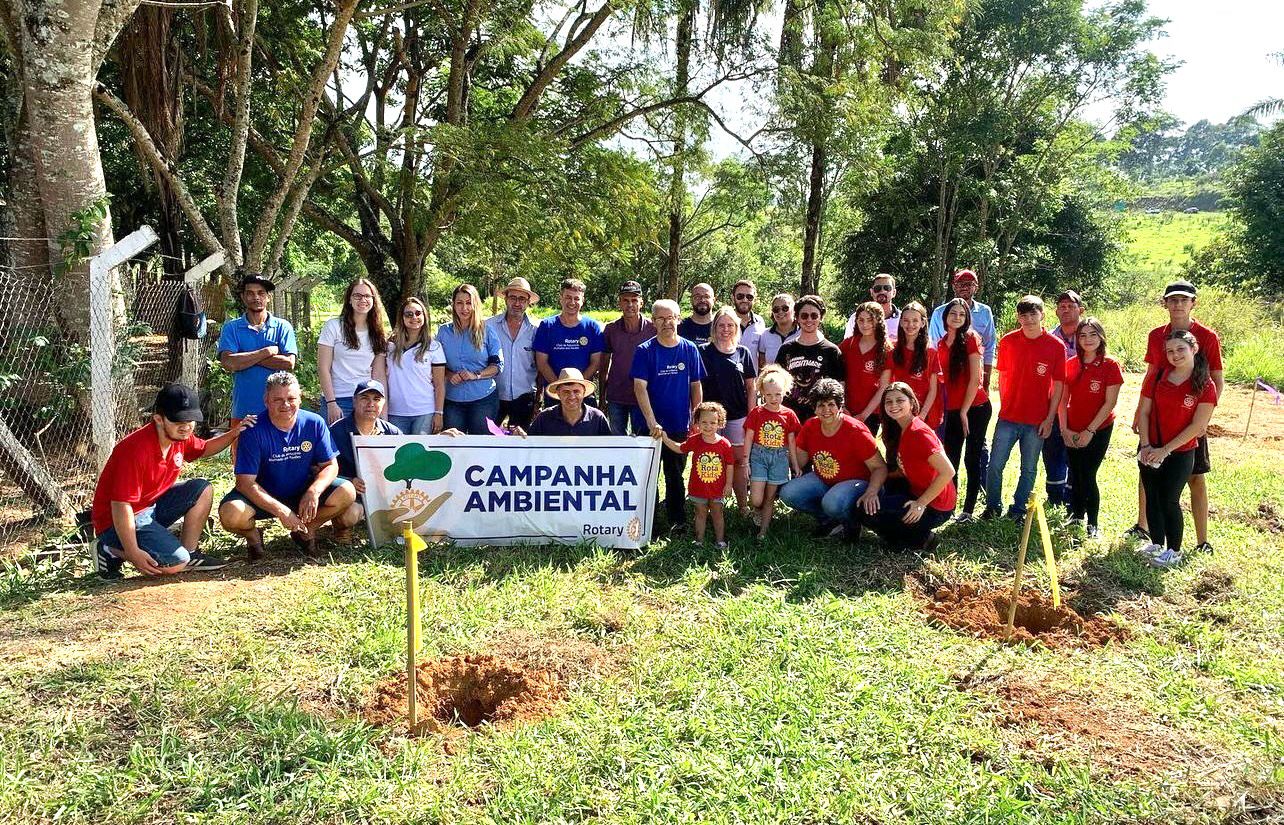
x: 966, y: 285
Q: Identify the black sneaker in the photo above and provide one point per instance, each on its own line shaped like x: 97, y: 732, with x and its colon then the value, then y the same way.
x: 201, y: 562
x: 1137, y: 533
x: 822, y: 529
x: 930, y: 543
x: 106, y: 565
x: 989, y: 514
x: 1203, y: 547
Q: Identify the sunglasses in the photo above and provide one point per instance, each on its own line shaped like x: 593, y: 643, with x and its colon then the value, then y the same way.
x: 781, y: 309
x: 744, y: 296
x: 413, y: 313
x: 881, y: 288
x: 809, y: 316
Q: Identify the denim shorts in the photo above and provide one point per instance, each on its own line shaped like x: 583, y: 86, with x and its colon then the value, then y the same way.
x: 154, y: 537
x: 702, y: 500
x: 769, y: 464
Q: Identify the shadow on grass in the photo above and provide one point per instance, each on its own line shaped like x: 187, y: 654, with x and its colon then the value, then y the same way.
x: 1106, y: 580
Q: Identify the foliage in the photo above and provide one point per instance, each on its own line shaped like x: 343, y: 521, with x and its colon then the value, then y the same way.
x: 1158, y: 151
x: 79, y: 239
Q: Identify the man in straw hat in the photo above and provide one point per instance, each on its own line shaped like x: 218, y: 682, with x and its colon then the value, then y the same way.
x: 571, y: 416
x: 516, y: 333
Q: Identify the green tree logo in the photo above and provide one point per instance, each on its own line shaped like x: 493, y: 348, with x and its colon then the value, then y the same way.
x: 414, y: 462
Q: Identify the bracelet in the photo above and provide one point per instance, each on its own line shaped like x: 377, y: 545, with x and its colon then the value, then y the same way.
x: 438, y: 412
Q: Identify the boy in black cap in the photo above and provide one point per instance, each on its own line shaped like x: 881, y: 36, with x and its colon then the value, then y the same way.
x: 137, y: 497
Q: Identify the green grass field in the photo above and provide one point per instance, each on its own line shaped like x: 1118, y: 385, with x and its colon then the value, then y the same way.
x: 795, y: 681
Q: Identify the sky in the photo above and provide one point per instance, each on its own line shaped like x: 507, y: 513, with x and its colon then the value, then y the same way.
x: 1226, y: 47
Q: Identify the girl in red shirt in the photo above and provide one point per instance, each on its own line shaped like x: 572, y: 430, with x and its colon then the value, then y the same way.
x: 1176, y: 404
x: 916, y: 364
x: 967, y: 407
x: 1087, y: 416
x: 712, y: 462
x: 920, y: 493
x: 868, y: 370
x: 769, y: 431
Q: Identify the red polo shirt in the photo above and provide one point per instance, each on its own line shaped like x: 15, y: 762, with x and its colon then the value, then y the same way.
x: 1086, y: 390
x: 921, y: 383
x: 1209, y: 344
x: 956, y: 386
x: 1027, y: 369
x: 863, y: 373
x: 841, y: 456
x: 1172, y: 408
x: 918, y: 444
x: 137, y: 473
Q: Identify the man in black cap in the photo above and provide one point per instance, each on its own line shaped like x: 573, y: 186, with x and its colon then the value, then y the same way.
x: 138, y: 495
x: 622, y: 337
x: 366, y: 419
x: 254, y: 346
x: 1056, y: 469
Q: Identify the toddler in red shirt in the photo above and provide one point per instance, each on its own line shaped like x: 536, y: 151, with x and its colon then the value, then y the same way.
x: 769, y: 431
x: 712, y: 460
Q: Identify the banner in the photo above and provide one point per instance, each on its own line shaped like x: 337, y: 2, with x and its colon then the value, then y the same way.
x: 496, y: 490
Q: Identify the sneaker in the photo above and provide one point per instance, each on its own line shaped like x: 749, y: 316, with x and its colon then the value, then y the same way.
x: 851, y: 532
x: 822, y: 529
x: 837, y: 531
x: 202, y: 562
x: 965, y: 518
x: 1094, y: 532
x: 1203, y: 548
x: 1016, y: 515
x: 106, y: 565
x: 989, y: 514
x: 720, y: 545
x: 757, y: 519
x: 1166, y: 559
x: 930, y: 543
x: 1137, y: 532
x: 1150, y: 550
x: 342, y: 535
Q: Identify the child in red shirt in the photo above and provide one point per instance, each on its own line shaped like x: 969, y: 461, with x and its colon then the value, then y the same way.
x: 769, y: 431
x: 712, y: 460
x: 1087, y: 417
x: 868, y: 367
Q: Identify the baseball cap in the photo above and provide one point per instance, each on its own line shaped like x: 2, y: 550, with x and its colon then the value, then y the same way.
x: 255, y: 278
x: 1071, y: 295
x: 1180, y: 288
x: 630, y: 288
x: 964, y: 275
x: 368, y: 385
x: 179, y: 402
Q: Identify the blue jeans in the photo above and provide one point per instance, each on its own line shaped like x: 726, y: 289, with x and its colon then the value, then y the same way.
x: 345, y: 404
x: 890, y: 527
x: 1008, y: 434
x: 412, y: 424
x: 622, y: 416
x: 470, y: 416
x: 154, y: 538
x: 1056, y: 467
x: 827, y: 503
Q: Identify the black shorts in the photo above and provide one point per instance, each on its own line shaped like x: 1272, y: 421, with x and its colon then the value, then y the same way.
x: 1202, y: 463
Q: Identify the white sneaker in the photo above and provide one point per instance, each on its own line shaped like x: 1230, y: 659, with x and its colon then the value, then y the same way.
x: 1150, y: 550
x: 1168, y: 558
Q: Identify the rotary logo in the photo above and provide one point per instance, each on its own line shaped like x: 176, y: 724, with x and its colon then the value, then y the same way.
x: 825, y: 465
x: 682, y: 365
x: 583, y: 340
x: 1094, y: 386
x: 1188, y: 401
x: 1041, y: 368
x: 869, y: 365
x: 306, y: 447
x: 634, y: 528
x: 772, y: 435
x: 709, y: 467
x: 178, y: 459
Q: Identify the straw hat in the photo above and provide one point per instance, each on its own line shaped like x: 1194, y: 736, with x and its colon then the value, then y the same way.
x: 521, y: 285
x: 570, y: 375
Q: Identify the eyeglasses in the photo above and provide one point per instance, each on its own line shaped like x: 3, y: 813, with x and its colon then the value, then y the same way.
x: 881, y: 288
x: 781, y: 309
x: 809, y: 316
x: 745, y: 296
x: 414, y: 313
x: 358, y: 296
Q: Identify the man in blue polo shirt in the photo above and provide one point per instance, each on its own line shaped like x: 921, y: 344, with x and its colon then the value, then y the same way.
x: 254, y: 346
x: 666, y: 372
x: 286, y: 469
x: 568, y: 339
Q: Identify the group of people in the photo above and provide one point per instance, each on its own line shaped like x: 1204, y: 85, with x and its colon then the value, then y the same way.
x: 766, y: 409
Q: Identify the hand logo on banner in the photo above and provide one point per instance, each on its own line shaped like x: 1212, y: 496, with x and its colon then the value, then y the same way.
x: 412, y: 463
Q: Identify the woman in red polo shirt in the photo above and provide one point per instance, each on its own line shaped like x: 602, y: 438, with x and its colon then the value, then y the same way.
x: 1176, y: 404
x: 868, y: 369
x: 967, y: 407
x: 1087, y: 416
x: 915, y: 363
x: 922, y: 496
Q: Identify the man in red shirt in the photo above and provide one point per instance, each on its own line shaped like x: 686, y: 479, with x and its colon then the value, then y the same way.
x: 1179, y: 300
x: 137, y: 499
x: 1032, y: 370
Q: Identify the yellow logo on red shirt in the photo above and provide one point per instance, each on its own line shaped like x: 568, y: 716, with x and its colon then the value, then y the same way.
x: 771, y: 434
x: 709, y: 467
x: 825, y: 465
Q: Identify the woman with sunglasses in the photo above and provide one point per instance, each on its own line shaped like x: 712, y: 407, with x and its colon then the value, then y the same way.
x: 352, y: 348
x: 1087, y: 417
x: 809, y: 357
x: 416, y: 372
x: 783, y: 329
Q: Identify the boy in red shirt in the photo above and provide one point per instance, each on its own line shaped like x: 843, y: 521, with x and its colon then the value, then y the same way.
x: 1032, y: 370
x: 1179, y: 300
x: 712, y: 459
x: 137, y: 499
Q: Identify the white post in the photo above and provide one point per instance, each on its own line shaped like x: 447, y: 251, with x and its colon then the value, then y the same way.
x: 102, y: 334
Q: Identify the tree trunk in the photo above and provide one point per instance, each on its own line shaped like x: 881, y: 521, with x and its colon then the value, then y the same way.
x: 810, y: 284
x: 678, y: 183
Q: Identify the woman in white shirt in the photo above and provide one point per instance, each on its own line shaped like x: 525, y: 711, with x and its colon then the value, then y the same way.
x: 416, y: 372
x: 351, y: 348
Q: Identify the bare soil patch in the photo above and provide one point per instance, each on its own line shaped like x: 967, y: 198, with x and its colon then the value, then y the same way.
x: 467, y: 691
x: 1120, y: 738
x: 983, y: 611
x: 1268, y: 518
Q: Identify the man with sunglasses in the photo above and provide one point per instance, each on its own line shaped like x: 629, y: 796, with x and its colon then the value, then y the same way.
x: 883, y: 290
x: 752, y: 325
x: 783, y: 329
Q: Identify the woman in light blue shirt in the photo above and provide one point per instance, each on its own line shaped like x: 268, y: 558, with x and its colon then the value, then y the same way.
x: 473, y: 359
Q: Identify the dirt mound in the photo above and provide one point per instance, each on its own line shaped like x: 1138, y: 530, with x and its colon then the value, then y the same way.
x: 984, y: 612
x: 1268, y: 518
x: 1218, y: 431
x: 1120, y: 738
x: 466, y: 691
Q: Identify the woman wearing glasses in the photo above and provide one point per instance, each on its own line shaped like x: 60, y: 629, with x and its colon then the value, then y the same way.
x: 783, y: 329
x: 352, y: 348
x: 416, y: 372
x: 809, y: 357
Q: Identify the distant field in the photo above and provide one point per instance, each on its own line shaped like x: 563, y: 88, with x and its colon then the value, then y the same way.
x: 1161, y: 244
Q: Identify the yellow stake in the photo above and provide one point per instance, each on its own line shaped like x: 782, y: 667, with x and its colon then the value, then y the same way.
x: 1020, y: 567
x: 1049, y: 559
x: 413, y: 545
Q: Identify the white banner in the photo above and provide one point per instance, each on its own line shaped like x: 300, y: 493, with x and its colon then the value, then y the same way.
x: 509, y: 490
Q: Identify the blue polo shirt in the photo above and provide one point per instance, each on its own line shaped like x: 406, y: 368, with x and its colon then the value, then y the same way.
x: 569, y: 346
x: 342, y: 431
x: 283, y: 462
x: 669, y: 373
x: 237, y: 336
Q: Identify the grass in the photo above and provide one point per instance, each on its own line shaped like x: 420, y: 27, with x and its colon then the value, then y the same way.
x: 788, y: 682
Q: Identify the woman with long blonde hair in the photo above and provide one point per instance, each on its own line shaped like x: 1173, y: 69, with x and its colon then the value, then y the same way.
x: 473, y: 358
x: 416, y: 372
